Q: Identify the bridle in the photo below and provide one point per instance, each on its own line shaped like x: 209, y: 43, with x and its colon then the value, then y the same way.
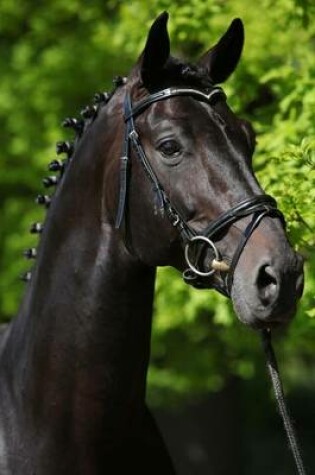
x: 195, y: 244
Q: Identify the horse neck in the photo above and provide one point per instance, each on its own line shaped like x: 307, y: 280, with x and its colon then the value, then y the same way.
x: 84, y: 326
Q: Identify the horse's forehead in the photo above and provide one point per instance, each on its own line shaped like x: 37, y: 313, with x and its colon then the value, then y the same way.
x: 195, y: 117
x: 181, y: 108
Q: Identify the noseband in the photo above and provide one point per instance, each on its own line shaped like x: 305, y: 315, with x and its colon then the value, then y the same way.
x: 195, y: 244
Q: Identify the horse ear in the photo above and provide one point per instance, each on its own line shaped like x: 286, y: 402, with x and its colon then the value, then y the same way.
x: 157, y: 49
x: 221, y: 60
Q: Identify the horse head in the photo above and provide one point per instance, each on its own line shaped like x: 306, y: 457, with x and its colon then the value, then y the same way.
x: 185, y: 194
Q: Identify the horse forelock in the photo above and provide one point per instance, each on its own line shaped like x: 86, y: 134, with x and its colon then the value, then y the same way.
x: 186, y: 74
x: 175, y: 72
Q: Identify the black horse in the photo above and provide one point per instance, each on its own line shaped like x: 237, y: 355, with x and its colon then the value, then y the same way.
x: 160, y: 174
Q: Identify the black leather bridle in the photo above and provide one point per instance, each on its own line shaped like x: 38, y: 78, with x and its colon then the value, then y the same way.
x: 258, y: 207
x: 194, y: 243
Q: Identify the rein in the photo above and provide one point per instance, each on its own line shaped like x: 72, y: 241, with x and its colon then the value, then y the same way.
x: 195, y: 244
x: 273, y: 371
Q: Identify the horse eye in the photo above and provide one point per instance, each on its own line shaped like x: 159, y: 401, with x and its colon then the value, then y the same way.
x: 169, y: 148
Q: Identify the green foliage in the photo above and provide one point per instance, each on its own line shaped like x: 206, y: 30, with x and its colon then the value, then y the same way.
x: 54, y: 56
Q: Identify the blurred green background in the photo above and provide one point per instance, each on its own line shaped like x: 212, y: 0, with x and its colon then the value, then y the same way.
x: 54, y: 56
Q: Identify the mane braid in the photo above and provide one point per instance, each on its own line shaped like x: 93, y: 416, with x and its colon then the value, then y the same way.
x: 79, y: 125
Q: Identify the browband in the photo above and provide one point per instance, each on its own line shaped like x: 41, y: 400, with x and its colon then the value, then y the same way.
x: 172, y: 92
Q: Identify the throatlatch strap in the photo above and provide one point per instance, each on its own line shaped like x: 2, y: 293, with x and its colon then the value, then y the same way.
x: 123, y: 176
x: 124, y: 165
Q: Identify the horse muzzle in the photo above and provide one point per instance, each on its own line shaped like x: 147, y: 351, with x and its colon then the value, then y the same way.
x: 267, y: 294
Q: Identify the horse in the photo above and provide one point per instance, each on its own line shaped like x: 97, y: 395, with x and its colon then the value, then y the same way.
x: 159, y: 174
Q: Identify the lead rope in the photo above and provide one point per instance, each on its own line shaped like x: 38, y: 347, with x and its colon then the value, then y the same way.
x: 273, y: 371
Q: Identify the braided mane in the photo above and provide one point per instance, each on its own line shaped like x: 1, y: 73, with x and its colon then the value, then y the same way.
x: 59, y: 165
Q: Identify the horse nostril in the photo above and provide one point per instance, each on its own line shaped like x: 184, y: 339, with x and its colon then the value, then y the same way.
x: 267, y: 285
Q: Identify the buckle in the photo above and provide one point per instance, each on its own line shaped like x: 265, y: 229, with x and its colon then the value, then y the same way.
x: 133, y: 135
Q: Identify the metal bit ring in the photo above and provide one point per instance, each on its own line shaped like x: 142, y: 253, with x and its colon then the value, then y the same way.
x: 210, y: 244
